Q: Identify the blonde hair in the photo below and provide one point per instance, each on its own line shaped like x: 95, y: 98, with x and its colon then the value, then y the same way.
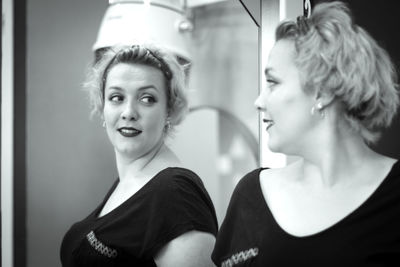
x: 146, y: 54
x: 339, y: 58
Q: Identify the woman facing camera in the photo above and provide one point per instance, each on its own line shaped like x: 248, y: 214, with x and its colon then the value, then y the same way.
x: 156, y: 213
x: 330, y: 90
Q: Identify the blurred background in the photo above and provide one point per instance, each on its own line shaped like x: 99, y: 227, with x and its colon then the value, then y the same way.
x: 57, y: 163
x: 68, y: 162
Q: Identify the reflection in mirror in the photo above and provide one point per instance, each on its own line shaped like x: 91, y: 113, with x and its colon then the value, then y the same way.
x: 70, y: 163
x: 272, y: 12
x: 135, y: 22
x: 219, y: 138
x: 223, y: 150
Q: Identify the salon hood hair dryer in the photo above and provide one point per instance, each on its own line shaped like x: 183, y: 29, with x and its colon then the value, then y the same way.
x: 129, y: 22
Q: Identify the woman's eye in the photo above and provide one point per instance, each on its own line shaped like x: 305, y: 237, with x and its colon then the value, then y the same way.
x: 148, y: 99
x: 116, y: 98
x: 271, y: 83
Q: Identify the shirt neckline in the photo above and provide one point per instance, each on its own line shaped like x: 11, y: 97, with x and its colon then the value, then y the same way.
x: 128, y: 200
x: 392, y: 173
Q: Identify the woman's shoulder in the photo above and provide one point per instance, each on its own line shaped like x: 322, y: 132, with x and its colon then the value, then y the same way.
x: 180, y: 171
x: 178, y: 180
x: 392, y: 179
x: 173, y: 175
x: 247, y: 187
x: 249, y: 180
x: 395, y: 167
x: 181, y: 192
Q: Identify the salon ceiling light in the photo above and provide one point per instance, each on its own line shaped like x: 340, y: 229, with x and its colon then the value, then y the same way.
x: 129, y: 22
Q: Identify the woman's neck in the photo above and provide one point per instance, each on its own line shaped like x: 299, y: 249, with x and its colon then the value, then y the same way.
x: 159, y: 158
x: 335, y: 156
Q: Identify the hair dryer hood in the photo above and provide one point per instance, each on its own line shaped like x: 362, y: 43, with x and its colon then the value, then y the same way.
x: 136, y: 22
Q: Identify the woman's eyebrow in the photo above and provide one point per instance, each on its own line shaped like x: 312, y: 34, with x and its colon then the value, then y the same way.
x: 118, y: 88
x: 148, y: 87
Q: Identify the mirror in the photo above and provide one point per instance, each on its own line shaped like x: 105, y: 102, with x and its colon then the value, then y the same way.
x: 219, y: 138
x: 68, y: 162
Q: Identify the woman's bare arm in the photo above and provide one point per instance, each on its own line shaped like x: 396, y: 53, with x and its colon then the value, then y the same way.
x: 191, y: 249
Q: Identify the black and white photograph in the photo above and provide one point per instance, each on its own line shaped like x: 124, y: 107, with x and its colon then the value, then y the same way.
x: 200, y: 133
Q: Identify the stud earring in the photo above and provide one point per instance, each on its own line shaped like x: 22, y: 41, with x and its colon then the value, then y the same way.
x: 167, y: 127
x: 318, y: 108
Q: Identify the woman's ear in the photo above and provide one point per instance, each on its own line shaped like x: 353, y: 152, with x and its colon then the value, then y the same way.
x: 324, y: 99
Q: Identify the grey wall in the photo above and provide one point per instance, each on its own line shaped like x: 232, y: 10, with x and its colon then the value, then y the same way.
x: 69, y: 162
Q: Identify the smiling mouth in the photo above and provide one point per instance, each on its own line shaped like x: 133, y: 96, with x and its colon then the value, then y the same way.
x: 269, y: 123
x: 129, y: 131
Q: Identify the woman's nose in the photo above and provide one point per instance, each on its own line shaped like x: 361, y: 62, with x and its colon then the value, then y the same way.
x: 259, y: 103
x: 129, y: 112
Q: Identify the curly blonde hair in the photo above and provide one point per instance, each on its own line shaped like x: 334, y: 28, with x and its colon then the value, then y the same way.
x: 339, y: 58
x: 146, y: 54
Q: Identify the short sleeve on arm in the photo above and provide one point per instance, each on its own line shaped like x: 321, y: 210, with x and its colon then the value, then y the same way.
x: 235, y: 232
x: 180, y: 204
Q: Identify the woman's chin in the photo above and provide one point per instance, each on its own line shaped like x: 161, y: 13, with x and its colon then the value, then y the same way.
x: 128, y: 153
x: 273, y: 146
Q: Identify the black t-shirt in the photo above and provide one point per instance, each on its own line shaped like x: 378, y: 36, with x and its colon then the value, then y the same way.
x: 369, y: 236
x: 171, y: 203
